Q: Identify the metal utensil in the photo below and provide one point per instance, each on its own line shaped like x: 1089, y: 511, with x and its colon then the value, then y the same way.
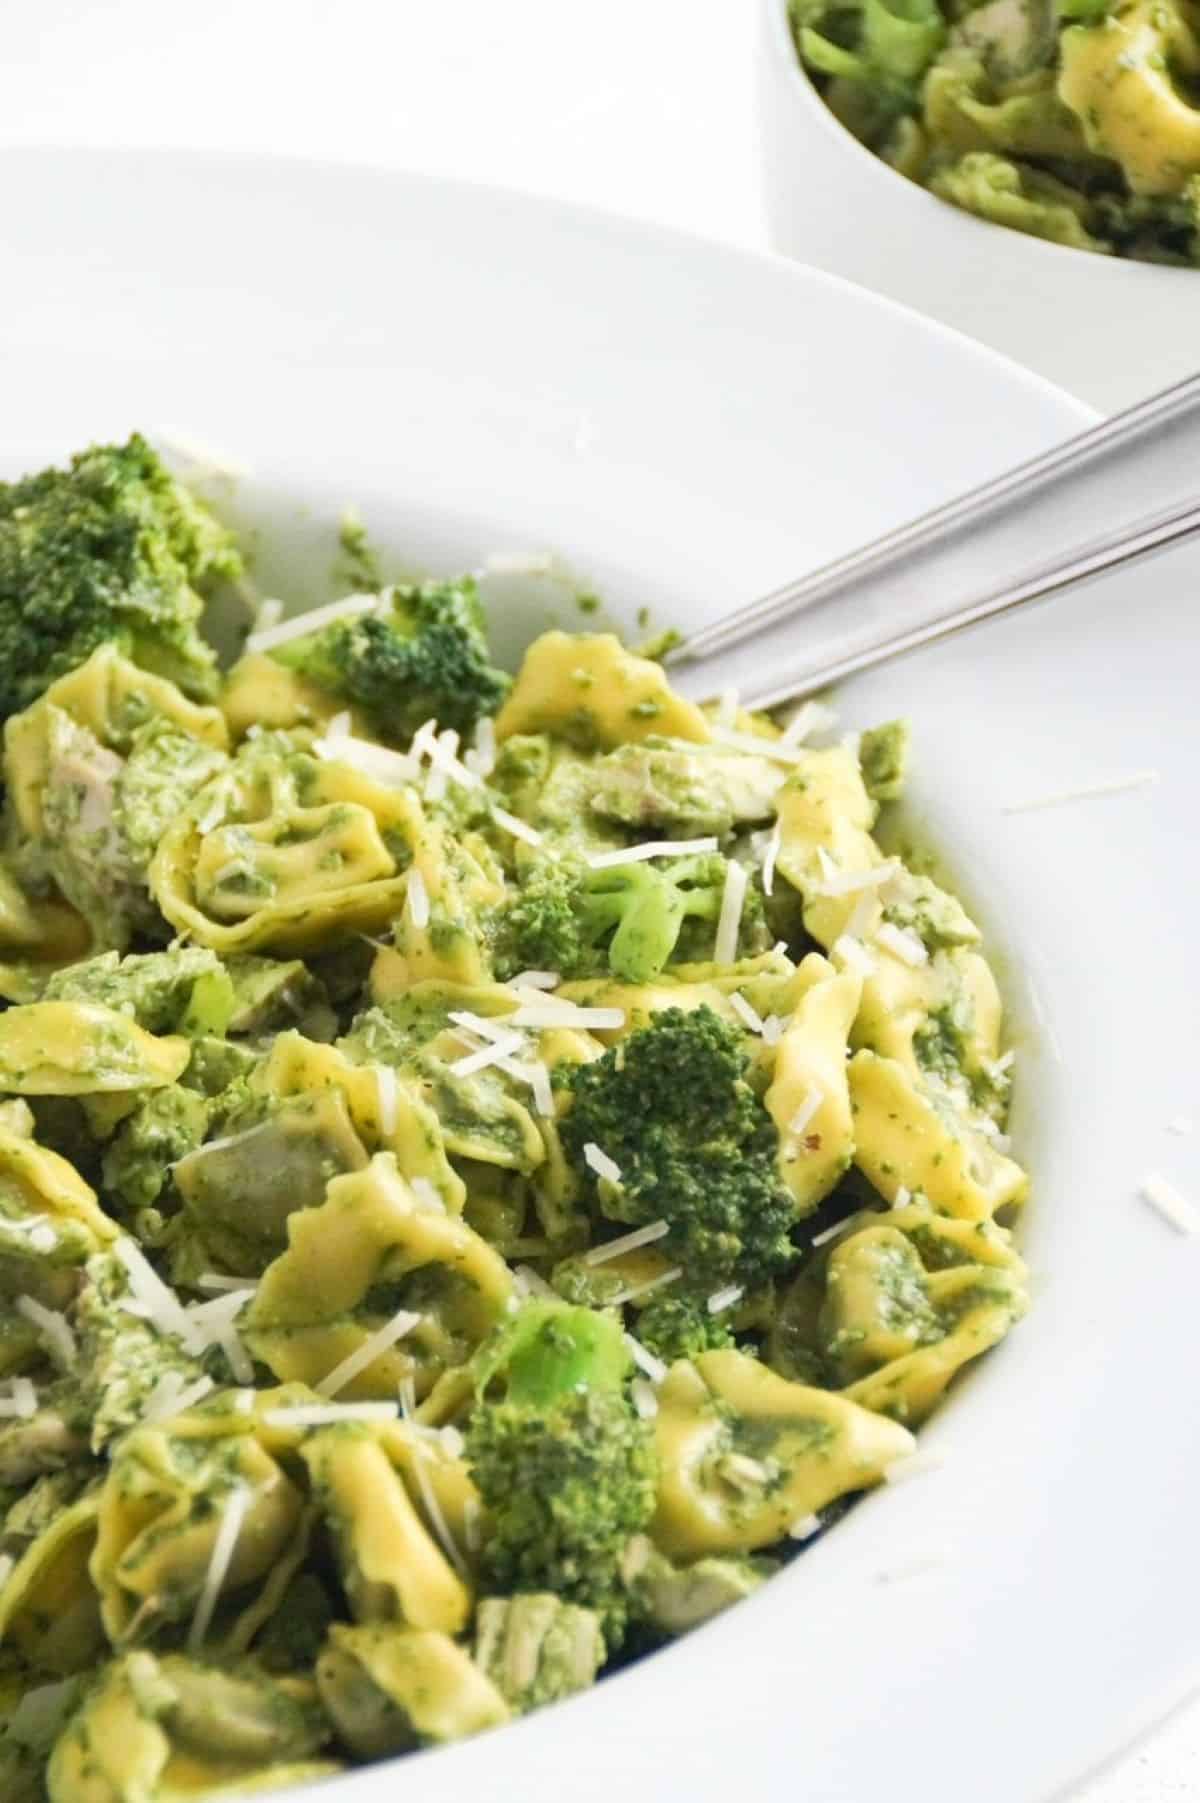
x: 919, y: 582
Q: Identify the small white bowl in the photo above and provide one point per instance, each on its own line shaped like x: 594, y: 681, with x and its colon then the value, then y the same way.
x: 1111, y: 331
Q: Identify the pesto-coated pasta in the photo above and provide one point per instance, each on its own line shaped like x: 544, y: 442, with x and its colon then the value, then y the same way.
x: 455, y: 1230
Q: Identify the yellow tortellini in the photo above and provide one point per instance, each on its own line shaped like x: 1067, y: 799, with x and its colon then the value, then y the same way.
x: 450, y: 883
x: 375, y: 1247
x: 49, y: 1608
x: 744, y: 1454
x: 83, y: 1049
x: 286, y: 852
x: 590, y: 690
x: 1119, y: 77
x: 809, y: 1098
x: 262, y: 693
x: 160, y: 1511
x: 168, y: 1730
x: 908, y: 1137
x: 391, y: 1565
x: 910, y: 1300
x: 392, y: 1689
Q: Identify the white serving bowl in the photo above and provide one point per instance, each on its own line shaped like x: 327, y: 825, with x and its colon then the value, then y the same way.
x: 688, y: 426
x: 1110, y: 331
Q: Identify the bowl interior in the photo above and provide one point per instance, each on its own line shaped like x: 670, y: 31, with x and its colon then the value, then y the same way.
x: 685, y: 427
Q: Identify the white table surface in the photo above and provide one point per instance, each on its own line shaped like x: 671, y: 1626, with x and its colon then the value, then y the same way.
x: 639, y: 106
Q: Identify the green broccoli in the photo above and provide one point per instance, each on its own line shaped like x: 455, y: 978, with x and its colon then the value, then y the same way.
x: 680, y: 1327
x: 564, y: 913
x: 111, y: 549
x: 564, y: 1465
x: 159, y: 989
x: 694, y: 1144
x: 421, y: 654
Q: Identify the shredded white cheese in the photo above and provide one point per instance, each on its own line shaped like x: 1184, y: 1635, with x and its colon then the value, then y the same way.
x: 530, y: 1283
x: 645, y: 1360
x: 427, y: 1194
x: 1170, y: 1203
x: 550, y: 1013
x: 601, y: 1163
x: 645, y: 1402
x: 297, y: 628
x: 727, y: 707
x: 7, y: 1566
x: 1118, y: 785
x: 54, y: 1328
x: 805, y: 1112
x: 653, y: 848
x: 401, y: 1323
x: 774, y: 1028
x: 902, y: 1197
x: 496, y: 1031
x: 520, y: 829
x: 771, y: 858
x: 777, y: 750
x: 163, y: 1306
x: 805, y: 1527
x: 733, y: 899
x: 628, y: 1242
x: 25, y: 1398
x: 387, y: 1088
x: 850, y: 882
x: 168, y: 1398
x: 905, y: 945
x: 742, y: 1008
x: 854, y: 953
x: 537, y: 979
x: 913, y: 1464
x: 437, y: 1519
x: 224, y: 1547
x: 216, y: 1280
x: 483, y: 751
x: 829, y: 1233
x: 417, y: 897
x: 315, y: 1414
x: 493, y: 1053
x: 392, y: 769
x: 809, y: 717
x: 644, y: 1289
x: 724, y: 1298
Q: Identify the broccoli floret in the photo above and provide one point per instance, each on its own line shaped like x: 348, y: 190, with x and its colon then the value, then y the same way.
x: 158, y: 989
x: 111, y: 549
x: 564, y: 1465
x: 682, y: 1327
x: 422, y: 654
x: 694, y: 1144
x: 564, y: 913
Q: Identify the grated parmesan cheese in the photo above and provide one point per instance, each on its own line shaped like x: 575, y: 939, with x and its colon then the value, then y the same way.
x: 170, y: 1396
x: 774, y: 1028
x: 387, y: 1087
x: 547, y: 1012
x: 25, y: 1398
x: 902, y: 1197
x: 417, y: 898
x: 645, y: 1402
x: 777, y: 750
x: 805, y: 1112
x: 401, y: 1323
x: 1119, y: 785
x: 644, y: 1289
x: 805, y: 1527
x: 829, y: 1233
x: 771, y: 858
x: 645, y: 1360
x: 317, y: 1414
x: 741, y: 1007
x: 437, y: 1519
x: 1170, y: 1203
x: 653, y: 848
x: 854, y: 953
x: 54, y: 1329
x: 809, y: 717
x: 628, y: 1242
x: 7, y: 1566
x: 724, y: 1298
x: 483, y: 751
x: 349, y: 607
x: 390, y: 768
x: 163, y: 1307
x: 537, y: 979
x: 427, y: 1194
x: 732, y: 901
x: 727, y: 707
x: 224, y: 1547
x: 601, y: 1163
x: 905, y: 945
x: 520, y: 829
x: 216, y: 1280
x: 530, y: 1283
x: 850, y: 882
x: 493, y: 1053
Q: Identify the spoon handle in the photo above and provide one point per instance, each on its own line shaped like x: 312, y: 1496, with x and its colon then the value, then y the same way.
x: 1033, y: 529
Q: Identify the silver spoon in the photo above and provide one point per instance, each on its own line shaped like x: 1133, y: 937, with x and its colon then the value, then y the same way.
x: 919, y: 582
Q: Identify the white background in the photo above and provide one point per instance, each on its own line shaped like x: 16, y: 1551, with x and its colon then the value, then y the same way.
x: 639, y: 106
